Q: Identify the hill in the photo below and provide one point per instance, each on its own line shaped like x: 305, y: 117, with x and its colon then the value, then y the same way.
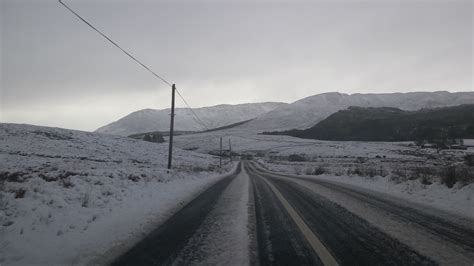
x: 62, y: 191
x: 392, y: 124
x: 309, y: 111
x: 150, y: 120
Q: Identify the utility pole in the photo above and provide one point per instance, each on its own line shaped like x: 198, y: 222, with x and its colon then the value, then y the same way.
x: 220, y: 155
x: 170, y: 152
x: 230, y: 150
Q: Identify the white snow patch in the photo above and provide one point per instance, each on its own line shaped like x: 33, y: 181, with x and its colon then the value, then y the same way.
x: 458, y: 200
x: 71, y: 197
x: 223, y: 238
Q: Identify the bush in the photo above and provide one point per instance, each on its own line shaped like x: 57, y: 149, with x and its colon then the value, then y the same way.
x: 370, y: 171
x: 296, y: 158
x: 465, y: 175
x: 320, y: 170
x: 85, y: 200
x: 134, y: 178
x: 469, y: 159
x: 361, y: 160
x: 396, y: 178
x: 155, y: 137
x: 297, y: 171
x: 382, y: 171
x: 424, y: 174
x: 67, y: 183
x: 449, y: 176
x: 425, y: 180
x: 12, y: 177
x: 316, y: 171
x: 20, y: 193
x: 400, y: 172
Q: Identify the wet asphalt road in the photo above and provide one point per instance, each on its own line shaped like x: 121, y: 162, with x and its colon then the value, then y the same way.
x: 162, y: 246
x: 294, y: 225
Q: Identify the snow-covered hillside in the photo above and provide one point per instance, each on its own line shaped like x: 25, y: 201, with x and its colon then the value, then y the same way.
x: 309, y: 111
x: 71, y: 197
x: 149, y: 120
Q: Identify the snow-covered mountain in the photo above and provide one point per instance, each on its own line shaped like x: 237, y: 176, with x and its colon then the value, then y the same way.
x: 309, y: 111
x: 149, y: 120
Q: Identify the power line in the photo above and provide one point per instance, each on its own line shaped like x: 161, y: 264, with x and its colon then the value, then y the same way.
x: 115, y: 44
x: 194, y: 113
x: 197, y: 119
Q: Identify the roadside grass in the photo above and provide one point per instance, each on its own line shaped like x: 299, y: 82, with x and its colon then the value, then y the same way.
x: 450, y: 172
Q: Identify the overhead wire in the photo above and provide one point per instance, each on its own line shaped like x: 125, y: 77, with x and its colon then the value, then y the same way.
x: 196, y: 117
x: 115, y: 44
x: 194, y: 113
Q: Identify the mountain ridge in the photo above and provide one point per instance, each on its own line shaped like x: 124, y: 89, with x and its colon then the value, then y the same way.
x: 308, y: 111
x: 391, y: 124
x: 149, y: 120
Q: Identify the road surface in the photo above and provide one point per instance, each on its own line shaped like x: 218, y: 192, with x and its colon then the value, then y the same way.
x: 260, y: 217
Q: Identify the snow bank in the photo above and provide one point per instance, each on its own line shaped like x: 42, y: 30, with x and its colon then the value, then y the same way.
x: 459, y: 199
x: 70, y: 197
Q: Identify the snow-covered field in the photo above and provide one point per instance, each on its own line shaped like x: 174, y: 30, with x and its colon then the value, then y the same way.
x: 71, y: 197
x: 459, y: 199
x: 397, y: 168
x: 244, y: 142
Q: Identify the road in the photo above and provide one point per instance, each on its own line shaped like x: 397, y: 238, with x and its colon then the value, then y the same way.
x: 261, y: 217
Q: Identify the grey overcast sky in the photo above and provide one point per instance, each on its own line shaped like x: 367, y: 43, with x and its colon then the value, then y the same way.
x: 56, y: 71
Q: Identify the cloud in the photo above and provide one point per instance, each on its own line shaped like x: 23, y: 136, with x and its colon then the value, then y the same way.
x: 57, y: 71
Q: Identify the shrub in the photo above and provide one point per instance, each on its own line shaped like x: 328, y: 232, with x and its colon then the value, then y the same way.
x: 67, y: 183
x: 425, y: 180
x: 464, y: 175
x: 469, y: 159
x: 370, y: 171
x: 449, y: 176
x: 356, y: 171
x: 12, y: 177
x: 20, y: 193
x: 396, y: 178
x: 382, y: 171
x: 296, y: 158
x: 85, y: 200
x: 297, y: 171
x: 320, y: 170
x: 155, y: 137
x: 133, y: 178
x: 400, y: 172
x: 316, y: 171
x: 197, y: 169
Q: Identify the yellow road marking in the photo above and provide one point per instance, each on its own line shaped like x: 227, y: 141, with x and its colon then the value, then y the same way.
x: 313, y: 240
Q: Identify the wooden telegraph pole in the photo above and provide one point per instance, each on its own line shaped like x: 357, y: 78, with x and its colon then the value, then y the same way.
x: 220, y: 155
x: 230, y: 150
x: 170, y: 152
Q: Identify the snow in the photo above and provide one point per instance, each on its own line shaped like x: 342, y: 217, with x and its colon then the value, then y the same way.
x: 86, y: 197
x: 271, y: 116
x: 149, y: 120
x: 423, y: 241
x: 223, y: 238
x: 246, y: 142
x: 395, y: 168
x: 309, y: 111
x: 71, y: 197
x: 458, y: 200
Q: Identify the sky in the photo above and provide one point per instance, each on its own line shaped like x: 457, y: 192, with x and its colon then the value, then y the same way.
x: 56, y: 71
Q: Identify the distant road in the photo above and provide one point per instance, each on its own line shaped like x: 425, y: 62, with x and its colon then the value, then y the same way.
x: 303, y: 221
